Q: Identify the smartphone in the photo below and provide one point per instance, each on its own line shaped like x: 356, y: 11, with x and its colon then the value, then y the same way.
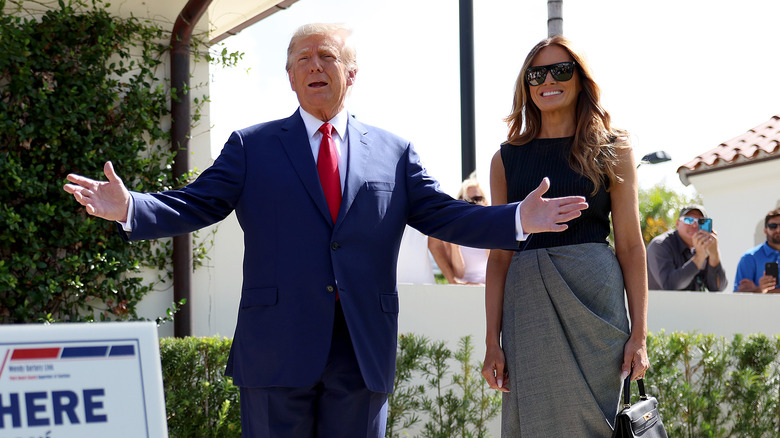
x: 771, y: 269
x: 705, y: 224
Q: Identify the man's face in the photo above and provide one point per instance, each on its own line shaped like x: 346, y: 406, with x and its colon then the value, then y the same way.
x: 773, y: 236
x: 319, y: 76
x: 687, y: 231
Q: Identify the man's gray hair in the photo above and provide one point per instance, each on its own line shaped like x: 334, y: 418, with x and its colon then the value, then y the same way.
x: 348, y: 52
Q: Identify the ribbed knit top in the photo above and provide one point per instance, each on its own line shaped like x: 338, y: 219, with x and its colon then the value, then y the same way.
x: 525, y: 167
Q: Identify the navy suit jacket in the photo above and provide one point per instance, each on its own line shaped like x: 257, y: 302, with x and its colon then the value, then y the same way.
x: 294, y: 255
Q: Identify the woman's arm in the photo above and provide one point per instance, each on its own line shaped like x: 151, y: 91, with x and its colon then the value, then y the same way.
x: 456, y: 259
x: 494, y: 369
x: 441, y: 254
x: 630, y: 252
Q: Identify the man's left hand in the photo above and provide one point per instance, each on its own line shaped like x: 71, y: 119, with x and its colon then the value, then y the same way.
x: 539, y: 214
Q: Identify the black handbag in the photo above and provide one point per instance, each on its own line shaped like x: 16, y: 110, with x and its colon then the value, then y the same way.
x: 640, y: 420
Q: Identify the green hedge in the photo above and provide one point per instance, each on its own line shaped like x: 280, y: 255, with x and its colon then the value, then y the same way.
x: 706, y: 385
x: 200, y: 401
x: 710, y: 387
x: 79, y: 86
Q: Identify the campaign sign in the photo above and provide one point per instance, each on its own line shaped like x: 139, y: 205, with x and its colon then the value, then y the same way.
x: 81, y: 380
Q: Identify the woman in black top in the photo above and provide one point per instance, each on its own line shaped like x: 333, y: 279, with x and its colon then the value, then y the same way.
x: 558, y: 336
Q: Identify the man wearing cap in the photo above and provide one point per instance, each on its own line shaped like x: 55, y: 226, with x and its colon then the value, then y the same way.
x: 686, y: 258
x: 751, y: 274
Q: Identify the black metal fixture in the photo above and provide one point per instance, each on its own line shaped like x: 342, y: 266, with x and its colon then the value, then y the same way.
x: 655, y: 158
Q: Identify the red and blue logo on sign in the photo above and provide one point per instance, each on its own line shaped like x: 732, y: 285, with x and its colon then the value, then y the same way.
x: 63, y: 353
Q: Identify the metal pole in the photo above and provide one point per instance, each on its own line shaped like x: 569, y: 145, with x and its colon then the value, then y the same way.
x: 467, y: 112
x: 554, y: 17
x: 180, y: 133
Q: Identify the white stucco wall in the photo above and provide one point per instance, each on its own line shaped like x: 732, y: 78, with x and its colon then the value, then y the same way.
x: 737, y: 199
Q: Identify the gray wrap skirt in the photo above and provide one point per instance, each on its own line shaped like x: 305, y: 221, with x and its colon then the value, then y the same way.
x: 563, y: 331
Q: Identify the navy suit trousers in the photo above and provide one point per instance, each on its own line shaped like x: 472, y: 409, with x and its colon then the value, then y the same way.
x: 338, y: 405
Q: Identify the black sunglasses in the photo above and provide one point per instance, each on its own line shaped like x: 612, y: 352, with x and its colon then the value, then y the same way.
x: 475, y: 200
x: 772, y: 226
x: 562, y: 71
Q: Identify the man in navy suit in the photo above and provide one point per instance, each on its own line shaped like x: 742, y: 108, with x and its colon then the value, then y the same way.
x: 314, y: 350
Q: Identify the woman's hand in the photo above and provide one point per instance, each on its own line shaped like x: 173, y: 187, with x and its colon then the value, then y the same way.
x: 634, y: 357
x: 494, y: 370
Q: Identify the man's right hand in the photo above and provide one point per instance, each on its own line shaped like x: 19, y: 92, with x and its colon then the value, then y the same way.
x: 704, y: 244
x: 105, y: 199
x: 767, y: 284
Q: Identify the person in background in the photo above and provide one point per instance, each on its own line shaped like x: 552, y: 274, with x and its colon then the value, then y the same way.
x: 469, y: 264
x: 323, y: 200
x: 751, y: 274
x: 414, y: 262
x: 462, y: 265
x: 558, y: 335
x: 686, y: 258
x: 440, y: 250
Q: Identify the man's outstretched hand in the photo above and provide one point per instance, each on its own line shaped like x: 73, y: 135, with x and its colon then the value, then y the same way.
x: 105, y: 199
x: 539, y: 214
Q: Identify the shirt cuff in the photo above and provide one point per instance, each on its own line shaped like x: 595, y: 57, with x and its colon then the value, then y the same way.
x: 128, y: 227
x: 520, y: 235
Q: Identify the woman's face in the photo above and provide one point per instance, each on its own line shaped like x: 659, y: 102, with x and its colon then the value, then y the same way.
x: 475, y: 196
x: 553, y: 95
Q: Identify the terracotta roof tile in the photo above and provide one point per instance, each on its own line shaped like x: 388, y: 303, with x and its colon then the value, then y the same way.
x: 759, y: 143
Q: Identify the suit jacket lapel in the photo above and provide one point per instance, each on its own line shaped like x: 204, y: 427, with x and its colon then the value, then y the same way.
x: 359, y: 146
x: 298, y: 149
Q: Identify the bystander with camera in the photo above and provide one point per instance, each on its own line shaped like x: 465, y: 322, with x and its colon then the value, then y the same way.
x: 688, y: 257
x: 757, y: 269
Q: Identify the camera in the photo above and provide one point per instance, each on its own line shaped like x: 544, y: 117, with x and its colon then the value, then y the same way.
x: 705, y: 224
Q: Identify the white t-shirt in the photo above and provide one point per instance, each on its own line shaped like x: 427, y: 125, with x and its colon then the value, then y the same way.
x: 414, y: 262
x: 475, y: 260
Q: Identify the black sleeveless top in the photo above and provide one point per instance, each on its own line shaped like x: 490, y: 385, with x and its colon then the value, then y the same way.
x: 526, y: 165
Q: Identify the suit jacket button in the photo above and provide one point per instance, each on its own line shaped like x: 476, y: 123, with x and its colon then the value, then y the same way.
x: 334, y: 246
x: 330, y: 288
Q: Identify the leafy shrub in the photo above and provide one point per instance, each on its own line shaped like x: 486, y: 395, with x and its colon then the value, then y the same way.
x: 78, y: 86
x: 658, y: 209
x: 753, y: 395
x: 71, y: 97
x: 457, y: 403
x: 199, y: 399
x: 406, y: 398
x: 706, y: 387
x: 709, y: 387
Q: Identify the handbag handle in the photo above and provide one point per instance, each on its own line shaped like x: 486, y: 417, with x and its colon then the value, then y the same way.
x: 627, y: 391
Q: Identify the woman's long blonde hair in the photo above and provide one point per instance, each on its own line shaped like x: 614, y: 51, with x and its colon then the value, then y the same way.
x: 593, y: 154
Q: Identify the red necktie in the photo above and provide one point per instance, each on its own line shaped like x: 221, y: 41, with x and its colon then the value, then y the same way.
x: 328, y: 168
